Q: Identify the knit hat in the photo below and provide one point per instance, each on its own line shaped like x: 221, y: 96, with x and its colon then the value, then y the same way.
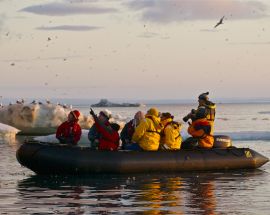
x: 153, y: 112
x: 75, y: 113
x: 167, y: 115
x: 204, y: 96
x: 106, y: 113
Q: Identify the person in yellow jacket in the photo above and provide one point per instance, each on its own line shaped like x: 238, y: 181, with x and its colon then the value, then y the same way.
x: 209, y: 106
x: 200, y: 130
x: 147, y: 133
x: 170, y: 136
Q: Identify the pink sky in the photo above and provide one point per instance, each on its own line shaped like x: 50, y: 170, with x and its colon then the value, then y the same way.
x: 134, y: 49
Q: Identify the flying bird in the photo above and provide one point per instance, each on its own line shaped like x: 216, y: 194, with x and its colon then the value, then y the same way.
x: 220, y: 22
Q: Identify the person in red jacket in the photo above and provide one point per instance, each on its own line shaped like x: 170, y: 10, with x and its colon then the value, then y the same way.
x: 109, y: 137
x: 69, y: 132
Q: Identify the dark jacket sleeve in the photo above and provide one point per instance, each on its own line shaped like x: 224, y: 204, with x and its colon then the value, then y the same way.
x: 92, y: 134
x: 124, y: 133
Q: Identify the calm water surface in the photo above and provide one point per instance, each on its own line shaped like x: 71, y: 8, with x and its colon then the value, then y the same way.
x: 232, y: 192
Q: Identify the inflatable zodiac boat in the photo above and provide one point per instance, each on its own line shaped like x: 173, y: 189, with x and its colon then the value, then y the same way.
x: 45, y: 158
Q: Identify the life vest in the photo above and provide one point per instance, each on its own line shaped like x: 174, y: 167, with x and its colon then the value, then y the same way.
x: 211, y: 111
x: 170, y: 137
x: 175, y: 126
x: 202, y: 130
x: 155, y: 129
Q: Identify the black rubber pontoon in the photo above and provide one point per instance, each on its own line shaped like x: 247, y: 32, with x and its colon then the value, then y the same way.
x: 45, y: 158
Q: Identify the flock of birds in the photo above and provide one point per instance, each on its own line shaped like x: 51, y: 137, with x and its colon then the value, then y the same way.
x: 220, y: 22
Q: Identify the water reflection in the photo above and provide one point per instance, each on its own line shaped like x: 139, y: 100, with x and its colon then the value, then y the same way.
x: 144, y: 194
x: 202, y: 197
x: 190, y: 193
x: 160, y: 195
x: 71, y: 194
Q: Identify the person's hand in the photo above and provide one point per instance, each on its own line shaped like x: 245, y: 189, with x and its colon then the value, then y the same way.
x: 62, y: 139
x: 92, y: 112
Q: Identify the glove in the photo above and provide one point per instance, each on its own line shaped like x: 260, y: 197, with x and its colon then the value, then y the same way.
x: 62, y: 140
x: 94, y: 144
x: 92, y: 112
x: 70, y: 140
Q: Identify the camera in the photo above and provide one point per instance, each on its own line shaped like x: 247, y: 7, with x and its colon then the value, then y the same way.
x: 189, y: 116
x: 186, y: 118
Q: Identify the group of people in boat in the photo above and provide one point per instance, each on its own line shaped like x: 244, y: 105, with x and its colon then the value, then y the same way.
x: 145, y: 132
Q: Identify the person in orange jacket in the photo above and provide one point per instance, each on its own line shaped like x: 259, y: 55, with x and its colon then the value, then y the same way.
x: 210, y: 109
x: 69, y: 132
x: 200, y: 130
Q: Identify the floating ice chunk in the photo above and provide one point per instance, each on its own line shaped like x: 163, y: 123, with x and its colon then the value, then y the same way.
x: 7, y: 132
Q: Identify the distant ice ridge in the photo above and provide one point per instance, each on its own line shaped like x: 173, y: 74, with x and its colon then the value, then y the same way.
x: 264, y: 112
x: 7, y: 132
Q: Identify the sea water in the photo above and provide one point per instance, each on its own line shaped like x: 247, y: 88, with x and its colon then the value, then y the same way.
x: 219, y: 192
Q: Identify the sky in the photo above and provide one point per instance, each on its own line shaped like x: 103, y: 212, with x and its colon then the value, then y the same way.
x: 134, y: 49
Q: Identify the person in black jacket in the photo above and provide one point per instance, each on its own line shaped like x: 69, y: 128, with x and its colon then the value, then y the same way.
x: 129, y: 128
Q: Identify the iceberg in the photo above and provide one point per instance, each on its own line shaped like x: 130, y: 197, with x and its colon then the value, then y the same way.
x: 7, y: 132
x: 106, y: 103
x: 38, y: 118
